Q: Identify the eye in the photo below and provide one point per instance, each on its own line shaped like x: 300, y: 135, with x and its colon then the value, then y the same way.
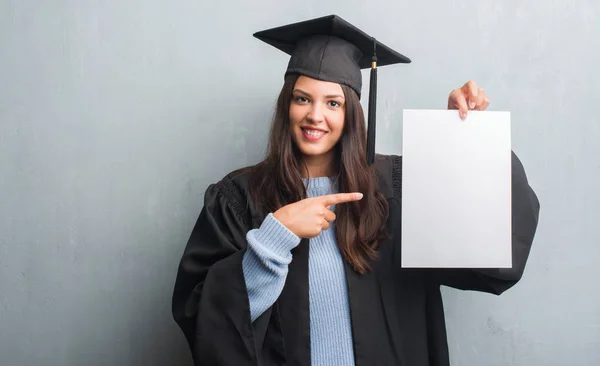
x: 300, y: 99
x: 334, y: 104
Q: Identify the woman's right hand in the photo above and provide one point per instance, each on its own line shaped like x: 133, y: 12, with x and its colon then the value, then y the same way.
x: 308, y: 217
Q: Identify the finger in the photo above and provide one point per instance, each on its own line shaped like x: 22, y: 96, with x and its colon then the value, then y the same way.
x: 452, y: 98
x: 334, y: 199
x: 484, y: 104
x: 462, y: 105
x: 472, y: 91
x: 479, y: 100
x: 329, y: 215
x: 325, y: 225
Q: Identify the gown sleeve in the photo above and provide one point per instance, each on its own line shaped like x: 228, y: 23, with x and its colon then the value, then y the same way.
x: 525, y: 215
x: 210, y: 301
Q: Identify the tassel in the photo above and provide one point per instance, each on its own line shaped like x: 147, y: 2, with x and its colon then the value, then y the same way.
x: 371, y: 126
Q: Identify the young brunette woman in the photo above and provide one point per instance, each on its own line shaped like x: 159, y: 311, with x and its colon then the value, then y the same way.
x: 296, y: 260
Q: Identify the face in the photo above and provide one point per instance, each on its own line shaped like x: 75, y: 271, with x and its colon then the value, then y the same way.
x: 317, y: 114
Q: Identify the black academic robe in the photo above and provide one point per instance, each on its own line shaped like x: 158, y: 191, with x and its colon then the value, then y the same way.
x: 396, y: 313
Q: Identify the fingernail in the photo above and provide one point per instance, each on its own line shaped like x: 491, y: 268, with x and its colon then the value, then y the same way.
x: 472, y: 105
x: 358, y: 195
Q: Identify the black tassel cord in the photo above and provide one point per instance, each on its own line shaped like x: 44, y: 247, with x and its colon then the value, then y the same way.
x: 371, y: 127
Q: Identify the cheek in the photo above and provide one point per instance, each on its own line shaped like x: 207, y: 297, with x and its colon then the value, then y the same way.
x: 295, y: 115
x: 337, y: 123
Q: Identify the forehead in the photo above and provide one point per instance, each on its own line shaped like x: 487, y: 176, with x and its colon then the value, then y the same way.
x: 315, y: 86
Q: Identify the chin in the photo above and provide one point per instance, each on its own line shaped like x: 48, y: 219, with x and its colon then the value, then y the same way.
x: 314, y: 151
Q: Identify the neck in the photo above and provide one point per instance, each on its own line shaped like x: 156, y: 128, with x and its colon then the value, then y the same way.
x: 318, y: 166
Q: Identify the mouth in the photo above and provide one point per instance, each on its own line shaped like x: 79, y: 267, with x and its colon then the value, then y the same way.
x: 312, y: 134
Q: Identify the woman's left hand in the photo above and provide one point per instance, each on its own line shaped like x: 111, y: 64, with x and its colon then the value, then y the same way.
x: 468, y: 97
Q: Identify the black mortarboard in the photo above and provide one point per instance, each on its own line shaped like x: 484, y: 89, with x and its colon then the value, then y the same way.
x: 331, y: 49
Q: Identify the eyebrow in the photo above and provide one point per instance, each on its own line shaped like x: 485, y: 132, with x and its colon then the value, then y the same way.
x: 327, y: 96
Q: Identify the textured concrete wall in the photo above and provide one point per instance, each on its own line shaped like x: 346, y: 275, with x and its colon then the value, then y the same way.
x: 115, y: 116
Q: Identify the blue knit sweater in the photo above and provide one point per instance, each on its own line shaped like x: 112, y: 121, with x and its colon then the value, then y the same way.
x: 265, y: 266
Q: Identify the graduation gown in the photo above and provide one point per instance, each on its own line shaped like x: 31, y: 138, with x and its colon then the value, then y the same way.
x: 396, y: 313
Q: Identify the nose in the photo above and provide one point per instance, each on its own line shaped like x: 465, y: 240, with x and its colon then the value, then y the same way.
x: 315, y: 113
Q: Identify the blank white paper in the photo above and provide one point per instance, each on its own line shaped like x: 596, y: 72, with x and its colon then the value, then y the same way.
x: 456, y: 190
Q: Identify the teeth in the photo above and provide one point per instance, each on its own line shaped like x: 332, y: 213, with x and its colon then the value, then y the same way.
x: 314, y: 133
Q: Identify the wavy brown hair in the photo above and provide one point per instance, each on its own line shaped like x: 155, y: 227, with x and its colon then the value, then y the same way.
x: 277, y: 180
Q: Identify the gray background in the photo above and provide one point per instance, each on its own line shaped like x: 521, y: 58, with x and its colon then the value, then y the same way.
x: 115, y: 117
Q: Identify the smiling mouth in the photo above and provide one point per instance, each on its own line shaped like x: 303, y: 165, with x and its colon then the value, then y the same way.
x: 312, y: 135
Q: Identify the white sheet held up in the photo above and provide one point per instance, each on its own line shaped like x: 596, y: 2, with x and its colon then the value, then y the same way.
x: 456, y: 189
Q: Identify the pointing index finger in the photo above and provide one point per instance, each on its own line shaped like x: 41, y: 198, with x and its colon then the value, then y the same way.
x: 334, y: 199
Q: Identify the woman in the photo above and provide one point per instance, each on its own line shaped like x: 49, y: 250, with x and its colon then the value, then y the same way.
x: 296, y: 260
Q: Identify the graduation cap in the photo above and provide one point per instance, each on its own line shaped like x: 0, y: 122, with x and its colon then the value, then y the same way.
x: 331, y: 49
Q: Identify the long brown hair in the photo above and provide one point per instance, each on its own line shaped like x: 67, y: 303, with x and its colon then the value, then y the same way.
x: 277, y: 180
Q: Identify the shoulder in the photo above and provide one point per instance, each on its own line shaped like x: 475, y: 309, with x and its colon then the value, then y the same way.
x: 389, y: 172
x: 231, y: 190
x: 235, y: 182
